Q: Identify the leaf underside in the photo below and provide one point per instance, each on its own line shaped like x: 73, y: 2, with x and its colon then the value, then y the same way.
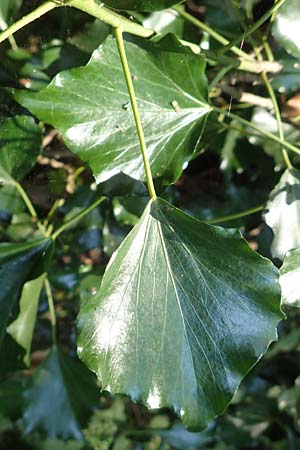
x: 90, y: 106
x: 184, y: 311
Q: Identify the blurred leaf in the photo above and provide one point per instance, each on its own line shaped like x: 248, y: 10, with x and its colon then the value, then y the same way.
x: 11, y: 401
x: 58, y: 444
x: 8, y: 10
x: 96, y: 121
x: 283, y: 213
x: 169, y: 325
x: 20, y: 142
x: 22, y: 328
x: 164, y: 22
x: 265, y: 120
x: 60, y: 396
x: 286, y: 27
x: 141, y: 5
x: 287, y: 80
x: 290, y: 278
x: 222, y: 16
x: 180, y: 438
x: 91, y: 36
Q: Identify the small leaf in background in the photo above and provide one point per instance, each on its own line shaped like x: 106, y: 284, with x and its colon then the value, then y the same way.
x: 164, y: 22
x: 180, y: 438
x: 141, y: 5
x: 266, y: 121
x: 8, y: 10
x: 20, y: 142
x: 92, y: 35
x: 95, y: 117
x: 17, y: 261
x: 184, y: 311
x: 22, y: 328
x: 290, y: 278
x: 60, y: 396
x: 283, y: 213
x: 286, y: 27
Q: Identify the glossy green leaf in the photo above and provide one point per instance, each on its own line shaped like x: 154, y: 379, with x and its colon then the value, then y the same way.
x: 141, y: 5
x: 90, y: 106
x: 283, y: 213
x: 286, y: 27
x: 60, y: 396
x: 20, y: 142
x: 290, y: 278
x: 184, y: 311
x: 17, y: 261
x: 22, y: 328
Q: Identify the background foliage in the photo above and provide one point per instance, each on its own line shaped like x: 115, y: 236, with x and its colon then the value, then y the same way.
x: 229, y: 168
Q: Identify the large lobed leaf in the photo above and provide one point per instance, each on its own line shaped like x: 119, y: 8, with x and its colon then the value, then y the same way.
x: 184, y: 311
x: 90, y: 106
x: 283, y: 213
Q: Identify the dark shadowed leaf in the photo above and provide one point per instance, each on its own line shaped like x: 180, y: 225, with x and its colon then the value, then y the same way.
x: 283, y: 213
x: 141, y: 5
x: 286, y: 27
x: 290, y: 278
x: 17, y: 261
x: 20, y: 141
x: 184, y: 311
x: 60, y: 396
x: 90, y: 106
x: 22, y: 328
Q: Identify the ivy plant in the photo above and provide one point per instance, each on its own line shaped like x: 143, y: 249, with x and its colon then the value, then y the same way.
x: 184, y: 308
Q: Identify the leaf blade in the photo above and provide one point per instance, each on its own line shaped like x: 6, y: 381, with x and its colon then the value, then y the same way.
x: 94, y: 112
x: 157, y: 330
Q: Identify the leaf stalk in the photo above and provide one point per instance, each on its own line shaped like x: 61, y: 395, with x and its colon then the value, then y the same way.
x: 259, y: 130
x: 29, y: 206
x: 51, y: 310
x: 75, y: 219
x: 121, y: 47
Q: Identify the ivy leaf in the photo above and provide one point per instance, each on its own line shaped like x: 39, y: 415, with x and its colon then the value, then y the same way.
x: 283, y: 213
x: 69, y: 391
x: 90, y: 106
x: 184, y: 311
x: 141, y: 5
x: 286, y: 27
x: 17, y: 262
x: 20, y: 142
x: 22, y: 328
x: 289, y: 278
